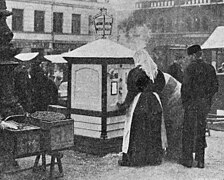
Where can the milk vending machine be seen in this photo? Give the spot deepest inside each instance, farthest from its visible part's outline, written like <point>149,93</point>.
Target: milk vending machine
<point>97,81</point>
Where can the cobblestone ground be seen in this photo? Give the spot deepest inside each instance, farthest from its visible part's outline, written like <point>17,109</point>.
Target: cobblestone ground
<point>81,166</point>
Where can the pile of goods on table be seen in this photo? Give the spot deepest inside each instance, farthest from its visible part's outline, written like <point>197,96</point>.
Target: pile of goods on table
<point>57,131</point>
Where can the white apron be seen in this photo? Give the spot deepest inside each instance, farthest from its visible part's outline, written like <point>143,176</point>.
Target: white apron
<point>127,125</point>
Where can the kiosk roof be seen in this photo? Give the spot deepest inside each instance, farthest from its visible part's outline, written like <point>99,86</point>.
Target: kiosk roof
<point>215,40</point>
<point>101,48</point>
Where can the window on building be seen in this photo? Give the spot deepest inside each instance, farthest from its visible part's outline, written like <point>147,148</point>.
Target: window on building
<point>169,25</point>
<point>205,23</point>
<point>196,24</point>
<point>57,22</point>
<point>215,1</point>
<point>91,27</point>
<point>189,24</point>
<point>219,11</point>
<point>17,20</point>
<point>76,23</point>
<point>161,25</point>
<point>154,26</point>
<point>39,21</point>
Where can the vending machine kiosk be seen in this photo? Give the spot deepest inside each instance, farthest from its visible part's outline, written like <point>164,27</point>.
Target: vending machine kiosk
<point>97,81</point>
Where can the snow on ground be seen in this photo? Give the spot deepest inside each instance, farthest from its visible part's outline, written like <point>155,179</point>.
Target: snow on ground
<point>81,166</point>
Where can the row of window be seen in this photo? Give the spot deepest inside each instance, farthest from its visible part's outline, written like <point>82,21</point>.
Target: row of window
<point>191,24</point>
<point>162,3</point>
<point>39,25</point>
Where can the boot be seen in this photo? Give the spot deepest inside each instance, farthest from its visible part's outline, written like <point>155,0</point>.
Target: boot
<point>124,161</point>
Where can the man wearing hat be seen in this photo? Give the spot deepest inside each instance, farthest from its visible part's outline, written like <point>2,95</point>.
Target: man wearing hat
<point>199,86</point>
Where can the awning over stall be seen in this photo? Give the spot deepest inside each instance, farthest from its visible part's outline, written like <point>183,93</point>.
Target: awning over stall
<point>101,48</point>
<point>55,58</point>
<point>26,56</point>
<point>215,40</point>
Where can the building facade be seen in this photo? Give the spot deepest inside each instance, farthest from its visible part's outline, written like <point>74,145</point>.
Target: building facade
<point>179,23</point>
<point>53,26</point>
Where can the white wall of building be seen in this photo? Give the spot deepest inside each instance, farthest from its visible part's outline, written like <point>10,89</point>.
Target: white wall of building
<point>68,7</point>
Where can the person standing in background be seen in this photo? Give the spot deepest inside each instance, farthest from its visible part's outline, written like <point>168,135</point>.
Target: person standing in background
<point>175,70</point>
<point>23,85</point>
<point>45,91</point>
<point>199,86</point>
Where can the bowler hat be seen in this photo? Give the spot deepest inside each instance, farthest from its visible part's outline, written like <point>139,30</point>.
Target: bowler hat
<point>193,49</point>
<point>3,11</point>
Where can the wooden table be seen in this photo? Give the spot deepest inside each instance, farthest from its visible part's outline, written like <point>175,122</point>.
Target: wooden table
<point>41,137</point>
<point>26,142</point>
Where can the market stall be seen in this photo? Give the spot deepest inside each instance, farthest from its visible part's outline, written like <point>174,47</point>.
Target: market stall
<point>60,68</point>
<point>21,134</point>
<point>214,46</point>
<point>57,58</point>
<point>26,56</point>
<point>97,81</point>
<point>40,134</point>
<point>60,77</point>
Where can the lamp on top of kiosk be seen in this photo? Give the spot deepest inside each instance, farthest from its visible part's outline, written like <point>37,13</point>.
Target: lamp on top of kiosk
<point>103,23</point>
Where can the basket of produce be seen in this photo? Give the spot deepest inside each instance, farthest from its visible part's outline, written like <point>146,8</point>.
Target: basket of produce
<point>45,119</point>
<point>57,130</point>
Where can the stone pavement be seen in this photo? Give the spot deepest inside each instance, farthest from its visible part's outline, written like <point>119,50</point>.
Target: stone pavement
<point>81,166</point>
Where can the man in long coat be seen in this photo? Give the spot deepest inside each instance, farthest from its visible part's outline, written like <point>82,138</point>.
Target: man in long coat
<point>198,87</point>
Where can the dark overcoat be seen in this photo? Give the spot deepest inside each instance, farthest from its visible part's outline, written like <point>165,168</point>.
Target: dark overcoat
<point>199,85</point>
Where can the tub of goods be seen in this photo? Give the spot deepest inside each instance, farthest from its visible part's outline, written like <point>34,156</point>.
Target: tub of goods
<point>57,132</point>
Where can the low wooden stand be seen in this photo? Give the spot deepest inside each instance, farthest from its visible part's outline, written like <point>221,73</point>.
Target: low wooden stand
<point>54,156</point>
<point>40,137</point>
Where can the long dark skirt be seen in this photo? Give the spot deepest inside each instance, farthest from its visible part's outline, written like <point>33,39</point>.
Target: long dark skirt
<point>145,146</point>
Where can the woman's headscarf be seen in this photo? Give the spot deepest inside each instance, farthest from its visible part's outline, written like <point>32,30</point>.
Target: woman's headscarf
<point>146,63</point>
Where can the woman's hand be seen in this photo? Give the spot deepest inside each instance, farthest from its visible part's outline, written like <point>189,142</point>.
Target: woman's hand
<point>119,105</point>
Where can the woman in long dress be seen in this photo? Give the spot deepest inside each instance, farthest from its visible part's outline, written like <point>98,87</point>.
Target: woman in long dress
<point>142,143</point>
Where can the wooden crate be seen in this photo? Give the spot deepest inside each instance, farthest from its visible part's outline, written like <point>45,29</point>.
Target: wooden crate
<point>23,143</point>
<point>56,134</point>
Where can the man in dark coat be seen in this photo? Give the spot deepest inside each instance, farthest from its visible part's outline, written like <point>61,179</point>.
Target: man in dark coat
<point>45,91</point>
<point>199,86</point>
<point>23,86</point>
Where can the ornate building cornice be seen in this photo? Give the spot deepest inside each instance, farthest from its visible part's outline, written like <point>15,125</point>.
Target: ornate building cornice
<point>155,4</point>
<point>77,4</point>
